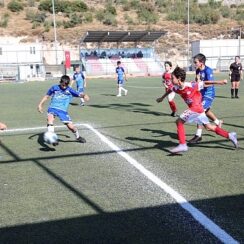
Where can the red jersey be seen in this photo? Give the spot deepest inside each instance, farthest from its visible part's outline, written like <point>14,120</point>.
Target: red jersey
<point>191,95</point>
<point>167,80</point>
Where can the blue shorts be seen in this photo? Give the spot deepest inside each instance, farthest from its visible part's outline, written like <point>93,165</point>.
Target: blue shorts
<point>63,115</point>
<point>207,102</point>
<point>120,82</point>
<point>80,89</point>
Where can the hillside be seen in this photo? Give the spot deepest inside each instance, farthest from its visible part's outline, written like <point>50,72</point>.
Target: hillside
<point>33,20</point>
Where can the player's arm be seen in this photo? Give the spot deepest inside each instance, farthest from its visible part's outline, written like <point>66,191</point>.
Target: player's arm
<point>44,99</point>
<point>216,82</point>
<point>160,99</point>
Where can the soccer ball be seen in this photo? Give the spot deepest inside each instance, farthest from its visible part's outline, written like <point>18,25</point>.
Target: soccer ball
<point>50,137</point>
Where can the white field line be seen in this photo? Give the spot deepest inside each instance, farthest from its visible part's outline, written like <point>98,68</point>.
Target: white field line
<point>196,214</point>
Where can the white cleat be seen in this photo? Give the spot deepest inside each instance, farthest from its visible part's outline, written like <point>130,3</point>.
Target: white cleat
<point>119,95</point>
<point>179,148</point>
<point>233,138</point>
<point>126,92</point>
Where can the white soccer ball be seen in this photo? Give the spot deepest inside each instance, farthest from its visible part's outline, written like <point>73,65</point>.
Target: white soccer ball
<point>50,137</point>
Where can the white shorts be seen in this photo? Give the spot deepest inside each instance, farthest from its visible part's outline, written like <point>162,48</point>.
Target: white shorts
<point>171,96</point>
<point>194,117</point>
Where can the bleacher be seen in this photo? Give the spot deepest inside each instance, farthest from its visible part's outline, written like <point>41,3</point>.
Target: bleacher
<point>136,62</point>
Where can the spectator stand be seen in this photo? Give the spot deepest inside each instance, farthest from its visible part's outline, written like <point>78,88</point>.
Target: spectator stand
<point>137,61</point>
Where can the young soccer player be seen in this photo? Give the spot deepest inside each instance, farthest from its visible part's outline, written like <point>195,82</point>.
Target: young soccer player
<point>205,73</point>
<point>235,76</point>
<point>167,83</point>
<point>190,92</point>
<point>58,107</point>
<point>80,80</point>
<point>121,78</point>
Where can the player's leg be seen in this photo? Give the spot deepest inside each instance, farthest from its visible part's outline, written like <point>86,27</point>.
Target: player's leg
<point>51,113</point>
<point>80,89</point>
<point>186,116</point>
<point>221,132</point>
<point>172,104</point>
<point>75,131</point>
<point>237,87</point>
<point>119,89</point>
<point>212,116</point>
<point>232,87</point>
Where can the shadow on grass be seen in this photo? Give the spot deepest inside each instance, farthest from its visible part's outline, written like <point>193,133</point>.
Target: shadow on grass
<point>159,224</point>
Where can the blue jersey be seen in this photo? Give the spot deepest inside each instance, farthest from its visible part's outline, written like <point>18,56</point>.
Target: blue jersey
<point>79,78</point>
<point>120,72</point>
<point>205,75</point>
<point>61,97</point>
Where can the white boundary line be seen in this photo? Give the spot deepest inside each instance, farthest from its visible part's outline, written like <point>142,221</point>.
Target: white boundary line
<point>195,213</point>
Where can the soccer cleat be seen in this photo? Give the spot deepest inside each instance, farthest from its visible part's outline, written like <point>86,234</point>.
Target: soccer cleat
<point>81,139</point>
<point>232,97</point>
<point>179,148</point>
<point>119,95</point>
<point>195,139</point>
<point>82,104</point>
<point>126,92</point>
<point>236,97</point>
<point>233,138</point>
<point>173,114</point>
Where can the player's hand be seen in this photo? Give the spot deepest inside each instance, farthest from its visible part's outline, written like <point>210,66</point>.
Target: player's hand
<point>160,99</point>
<point>40,110</point>
<point>224,82</point>
<point>86,97</point>
<point>3,126</point>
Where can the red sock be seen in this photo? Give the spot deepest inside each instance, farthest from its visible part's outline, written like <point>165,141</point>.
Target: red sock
<point>181,132</point>
<point>172,106</point>
<point>221,132</point>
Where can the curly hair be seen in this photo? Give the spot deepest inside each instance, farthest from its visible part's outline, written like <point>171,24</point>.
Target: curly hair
<point>179,73</point>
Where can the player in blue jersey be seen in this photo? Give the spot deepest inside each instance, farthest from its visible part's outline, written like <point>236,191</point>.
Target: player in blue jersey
<point>60,98</point>
<point>205,73</point>
<point>121,78</point>
<point>80,80</point>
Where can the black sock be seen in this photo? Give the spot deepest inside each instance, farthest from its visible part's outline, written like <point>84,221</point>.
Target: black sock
<point>232,92</point>
<point>236,92</point>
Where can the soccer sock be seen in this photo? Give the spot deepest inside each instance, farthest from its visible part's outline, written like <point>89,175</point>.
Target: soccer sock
<point>77,134</point>
<point>216,121</point>
<point>50,128</point>
<point>172,106</point>
<point>236,92</point>
<point>232,92</point>
<point>82,100</point>
<point>199,132</point>
<point>119,91</point>
<point>181,133</point>
<point>221,132</point>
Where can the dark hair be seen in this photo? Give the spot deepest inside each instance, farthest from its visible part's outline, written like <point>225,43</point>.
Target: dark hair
<point>179,73</point>
<point>169,63</point>
<point>65,80</point>
<point>201,57</point>
<point>237,57</point>
<point>118,62</point>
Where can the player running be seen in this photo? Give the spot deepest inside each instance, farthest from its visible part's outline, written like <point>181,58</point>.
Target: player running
<point>205,73</point>
<point>58,107</point>
<point>190,92</point>
<point>167,83</point>
<point>121,78</point>
<point>80,80</point>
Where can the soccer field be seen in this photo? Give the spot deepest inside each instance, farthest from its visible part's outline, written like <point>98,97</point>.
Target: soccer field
<point>122,186</point>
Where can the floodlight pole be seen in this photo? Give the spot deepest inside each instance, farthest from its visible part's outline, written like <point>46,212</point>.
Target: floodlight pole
<point>55,32</point>
<point>188,34</point>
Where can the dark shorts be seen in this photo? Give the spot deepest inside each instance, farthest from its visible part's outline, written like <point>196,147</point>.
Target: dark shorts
<point>62,115</point>
<point>235,77</point>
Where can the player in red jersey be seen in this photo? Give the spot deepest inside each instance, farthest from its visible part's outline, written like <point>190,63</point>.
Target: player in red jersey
<point>167,83</point>
<point>190,92</point>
